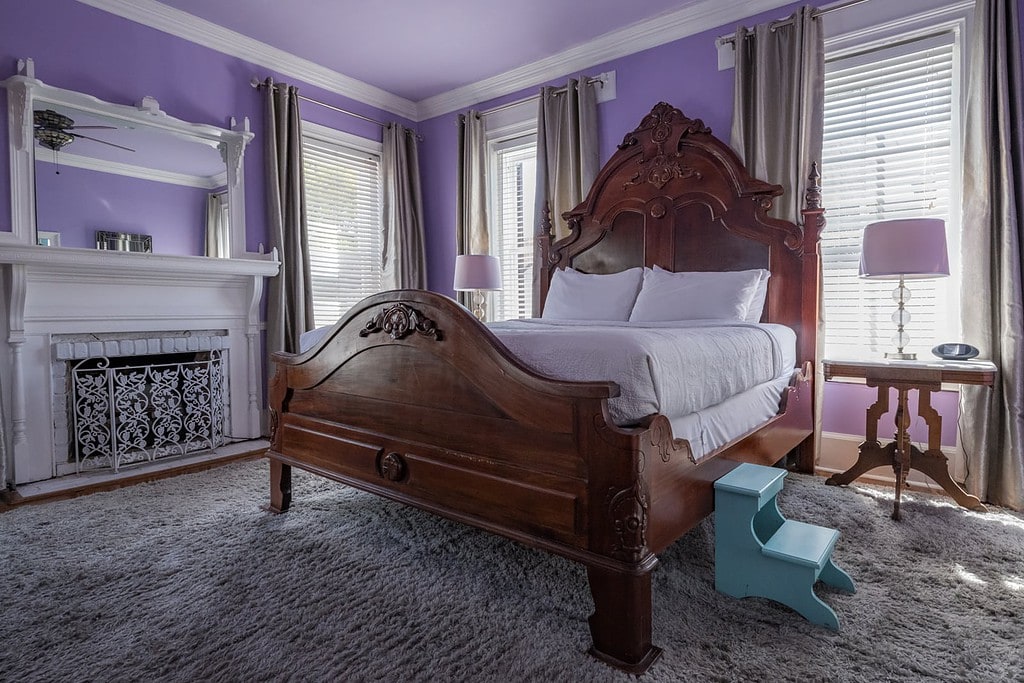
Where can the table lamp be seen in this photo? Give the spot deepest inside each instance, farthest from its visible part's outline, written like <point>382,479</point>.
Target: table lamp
<point>904,249</point>
<point>476,273</point>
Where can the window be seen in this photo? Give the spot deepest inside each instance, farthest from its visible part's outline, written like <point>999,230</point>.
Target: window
<point>891,150</point>
<point>513,172</point>
<point>343,215</point>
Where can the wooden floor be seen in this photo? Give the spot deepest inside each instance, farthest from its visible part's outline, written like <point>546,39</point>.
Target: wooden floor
<point>12,499</point>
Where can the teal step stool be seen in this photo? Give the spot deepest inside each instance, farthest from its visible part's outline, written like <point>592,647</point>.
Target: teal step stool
<point>758,552</point>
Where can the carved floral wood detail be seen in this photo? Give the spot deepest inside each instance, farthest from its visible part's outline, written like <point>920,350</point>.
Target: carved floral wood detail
<point>275,423</point>
<point>660,123</point>
<point>659,170</point>
<point>628,511</point>
<point>392,467</point>
<point>661,167</point>
<point>659,438</point>
<point>399,321</point>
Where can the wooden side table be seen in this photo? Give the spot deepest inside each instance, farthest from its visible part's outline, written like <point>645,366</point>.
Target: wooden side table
<point>925,376</point>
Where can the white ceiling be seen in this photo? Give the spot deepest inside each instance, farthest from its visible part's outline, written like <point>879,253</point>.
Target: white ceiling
<point>420,48</point>
<point>420,58</point>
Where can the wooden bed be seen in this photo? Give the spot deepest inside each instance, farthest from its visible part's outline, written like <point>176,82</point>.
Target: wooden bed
<point>410,397</point>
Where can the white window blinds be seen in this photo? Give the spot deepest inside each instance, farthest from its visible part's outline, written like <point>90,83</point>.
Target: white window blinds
<point>514,164</point>
<point>891,150</point>
<point>343,214</point>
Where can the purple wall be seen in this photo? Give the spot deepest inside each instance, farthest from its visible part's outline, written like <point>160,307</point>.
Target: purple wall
<point>78,202</point>
<point>81,48</point>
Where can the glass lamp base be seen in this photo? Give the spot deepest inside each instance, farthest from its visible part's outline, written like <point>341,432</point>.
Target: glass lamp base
<point>479,305</point>
<point>901,356</point>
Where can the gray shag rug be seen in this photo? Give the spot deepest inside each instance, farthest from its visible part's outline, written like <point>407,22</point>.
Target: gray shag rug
<point>187,579</point>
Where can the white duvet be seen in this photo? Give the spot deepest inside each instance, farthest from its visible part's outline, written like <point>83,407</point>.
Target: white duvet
<point>676,368</point>
<point>693,372</point>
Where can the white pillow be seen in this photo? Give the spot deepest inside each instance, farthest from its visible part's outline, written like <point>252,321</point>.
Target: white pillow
<point>581,296</point>
<point>667,296</point>
<point>760,295</point>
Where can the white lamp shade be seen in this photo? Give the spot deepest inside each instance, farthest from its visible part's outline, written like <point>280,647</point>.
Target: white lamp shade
<point>477,271</point>
<point>912,248</point>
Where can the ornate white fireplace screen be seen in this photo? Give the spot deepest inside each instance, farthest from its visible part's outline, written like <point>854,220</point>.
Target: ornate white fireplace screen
<point>135,409</point>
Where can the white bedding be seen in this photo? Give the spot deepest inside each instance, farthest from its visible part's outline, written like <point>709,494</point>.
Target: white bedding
<point>673,368</point>
<point>714,380</point>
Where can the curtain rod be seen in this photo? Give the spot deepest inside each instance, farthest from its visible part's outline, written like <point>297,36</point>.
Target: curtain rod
<point>786,22</point>
<point>256,83</point>
<point>559,91</point>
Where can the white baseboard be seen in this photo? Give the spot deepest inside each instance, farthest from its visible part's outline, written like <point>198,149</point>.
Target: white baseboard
<point>839,453</point>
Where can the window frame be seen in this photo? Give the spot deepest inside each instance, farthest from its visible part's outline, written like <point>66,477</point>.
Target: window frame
<point>346,143</point>
<point>856,33</point>
<point>505,124</point>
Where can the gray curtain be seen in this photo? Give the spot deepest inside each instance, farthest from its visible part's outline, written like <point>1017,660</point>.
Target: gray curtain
<point>777,124</point>
<point>290,298</point>
<point>403,260</point>
<point>779,102</point>
<point>471,227</point>
<point>568,158</point>
<point>992,420</point>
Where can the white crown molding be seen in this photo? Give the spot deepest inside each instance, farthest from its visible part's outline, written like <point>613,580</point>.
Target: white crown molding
<point>190,27</point>
<point>132,171</point>
<point>665,28</point>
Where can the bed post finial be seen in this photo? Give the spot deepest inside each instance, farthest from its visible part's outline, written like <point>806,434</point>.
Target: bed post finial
<point>813,214</point>
<point>545,221</point>
<point>542,260</point>
<point>812,197</point>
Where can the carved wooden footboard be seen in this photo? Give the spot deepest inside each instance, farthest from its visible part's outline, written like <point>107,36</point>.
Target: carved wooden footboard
<point>411,398</point>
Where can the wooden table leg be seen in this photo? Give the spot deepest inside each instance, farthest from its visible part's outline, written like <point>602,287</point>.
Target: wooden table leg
<point>871,453</point>
<point>901,455</point>
<point>932,462</point>
<point>936,466</point>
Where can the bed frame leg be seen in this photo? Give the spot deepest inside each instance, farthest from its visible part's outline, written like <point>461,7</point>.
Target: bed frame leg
<point>621,623</point>
<point>280,486</point>
<point>802,458</point>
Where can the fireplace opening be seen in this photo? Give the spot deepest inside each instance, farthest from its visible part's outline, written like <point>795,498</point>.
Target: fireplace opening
<point>130,410</point>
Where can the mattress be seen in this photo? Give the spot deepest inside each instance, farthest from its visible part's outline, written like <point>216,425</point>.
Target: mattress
<point>713,380</point>
<point>669,368</point>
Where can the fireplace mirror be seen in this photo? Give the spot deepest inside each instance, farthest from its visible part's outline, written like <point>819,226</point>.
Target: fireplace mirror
<point>81,165</point>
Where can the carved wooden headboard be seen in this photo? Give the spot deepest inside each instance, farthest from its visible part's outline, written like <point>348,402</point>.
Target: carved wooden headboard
<point>675,196</point>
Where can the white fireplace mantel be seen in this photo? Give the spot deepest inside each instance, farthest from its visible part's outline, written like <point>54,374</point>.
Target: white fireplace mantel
<point>129,264</point>
<point>48,292</point>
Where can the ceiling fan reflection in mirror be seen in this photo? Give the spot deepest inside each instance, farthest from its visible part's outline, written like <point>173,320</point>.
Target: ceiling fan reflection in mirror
<point>53,130</point>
